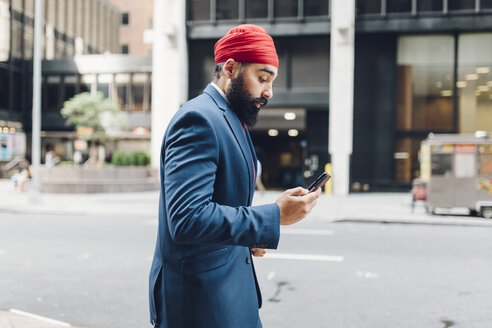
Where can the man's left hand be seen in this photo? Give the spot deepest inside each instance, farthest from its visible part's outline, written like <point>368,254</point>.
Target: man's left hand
<point>258,252</point>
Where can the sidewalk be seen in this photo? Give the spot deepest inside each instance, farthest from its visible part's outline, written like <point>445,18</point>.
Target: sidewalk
<point>363,207</point>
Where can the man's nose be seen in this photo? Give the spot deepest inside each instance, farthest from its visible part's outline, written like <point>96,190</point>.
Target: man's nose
<point>268,93</point>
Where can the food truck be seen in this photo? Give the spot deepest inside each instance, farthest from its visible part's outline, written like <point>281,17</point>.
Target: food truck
<point>457,172</point>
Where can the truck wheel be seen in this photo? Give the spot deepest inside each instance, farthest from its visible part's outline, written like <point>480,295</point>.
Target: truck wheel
<point>487,212</point>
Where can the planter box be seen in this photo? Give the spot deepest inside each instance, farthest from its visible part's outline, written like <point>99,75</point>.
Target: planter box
<point>98,180</point>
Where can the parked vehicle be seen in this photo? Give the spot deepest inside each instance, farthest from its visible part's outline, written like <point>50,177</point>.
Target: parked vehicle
<point>457,171</point>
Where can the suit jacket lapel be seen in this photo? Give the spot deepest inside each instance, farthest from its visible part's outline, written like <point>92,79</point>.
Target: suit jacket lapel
<point>237,130</point>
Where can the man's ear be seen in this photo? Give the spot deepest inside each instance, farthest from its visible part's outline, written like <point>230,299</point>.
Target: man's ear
<point>229,66</point>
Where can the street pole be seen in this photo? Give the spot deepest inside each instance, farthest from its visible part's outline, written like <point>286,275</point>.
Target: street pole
<point>35,192</point>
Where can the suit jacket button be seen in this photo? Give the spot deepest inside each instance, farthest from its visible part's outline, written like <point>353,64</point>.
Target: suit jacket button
<point>248,260</point>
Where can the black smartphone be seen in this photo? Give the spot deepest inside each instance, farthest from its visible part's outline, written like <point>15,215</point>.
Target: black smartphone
<point>319,182</point>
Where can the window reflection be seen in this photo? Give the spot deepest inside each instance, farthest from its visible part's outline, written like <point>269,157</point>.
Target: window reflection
<point>4,88</point>
<point>424,96</point>
<point>399,6</point>
<point>138,85</point>
<point>227,9</point>
<point>121,88</point>
<point>368,6</point>
<point>256,9</point>
<point>461,4</point>
<point>475,82</point>
<point>198,10</point>
<point>429,5</point>
<point>286,8</point>
<point>315,8</point>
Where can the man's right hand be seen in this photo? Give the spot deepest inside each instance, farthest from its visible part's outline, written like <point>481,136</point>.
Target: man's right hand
<point>295,204</point>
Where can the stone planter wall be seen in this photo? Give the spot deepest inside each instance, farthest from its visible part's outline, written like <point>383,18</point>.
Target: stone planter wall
<point>98,180</point>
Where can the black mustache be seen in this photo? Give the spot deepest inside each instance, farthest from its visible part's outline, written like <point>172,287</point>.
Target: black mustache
<point>262,101</point>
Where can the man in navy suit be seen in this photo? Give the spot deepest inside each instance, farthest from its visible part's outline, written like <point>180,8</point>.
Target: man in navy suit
<point>202,275</point>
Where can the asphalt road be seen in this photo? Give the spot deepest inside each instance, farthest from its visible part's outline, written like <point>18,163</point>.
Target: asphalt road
<point>92,270</point>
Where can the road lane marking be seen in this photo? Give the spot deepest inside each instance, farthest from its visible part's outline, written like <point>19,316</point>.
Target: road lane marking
<point>304,257</point>
<point>310,232</point>
<point>40,318</point>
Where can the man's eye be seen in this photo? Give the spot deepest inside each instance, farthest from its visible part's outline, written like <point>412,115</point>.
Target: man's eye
<point>262,80</point>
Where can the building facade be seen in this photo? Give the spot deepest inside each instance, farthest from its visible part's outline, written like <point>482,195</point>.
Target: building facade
<point>421,66</point>
<point>137,23</point>
<point>70,27</point>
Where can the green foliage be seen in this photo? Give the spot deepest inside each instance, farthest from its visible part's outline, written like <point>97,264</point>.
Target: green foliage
<point>136,158</point>
<point>93,110</point>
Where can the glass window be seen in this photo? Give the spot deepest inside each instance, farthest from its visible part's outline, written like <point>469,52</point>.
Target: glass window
<point>399,6</point>
<point>286,8</point>
<point>227,9</point>
<point>28,42</point>
<point>441,164</point>
<point>4,88</point>
<point>486,4</point>
<point>125,18</point>
<point>18,92</point>
<point>315,8</point>
<point>138,85</point>
<point>86,82</point>
<point>368,6</point>
<point>424,95</point>
<point>198,10</point>
<point>69,84</point>
<point>53,93</point>
<point>461,4</point>
<point>425,83</point>
<point>256,9</point>
<point>17,39</point>
<point>429,5</point>
<point>104,83</point>
<point>310,63</point>
<point>121,82</point>
<point>475,82</point>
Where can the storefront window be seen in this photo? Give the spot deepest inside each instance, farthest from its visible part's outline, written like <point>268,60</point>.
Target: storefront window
<point>104,84</point>
<point>315,8</point>
<point>4,88</point>
<point>475,82</point>
<point>461,4</point>
<point>368,6</point>
<point>399,6</point>
<point>69,84</point>
<point>227,9</point>
<point>429,5</point>
<point>424,96</point>
<point>486,4</point>
<point>52,93</point>
<point>138,86</point>
<point>286,8</point>
<point>198,10</point>
<point>256,9</point>
<point>121,82</point>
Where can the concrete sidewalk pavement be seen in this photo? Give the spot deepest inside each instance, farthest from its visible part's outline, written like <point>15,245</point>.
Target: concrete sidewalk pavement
<point>362,207</point>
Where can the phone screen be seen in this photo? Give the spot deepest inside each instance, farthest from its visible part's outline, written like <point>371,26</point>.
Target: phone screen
<point>319,182</point>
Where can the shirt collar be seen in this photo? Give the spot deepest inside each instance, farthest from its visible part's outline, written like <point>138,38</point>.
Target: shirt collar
<point>220,91</point>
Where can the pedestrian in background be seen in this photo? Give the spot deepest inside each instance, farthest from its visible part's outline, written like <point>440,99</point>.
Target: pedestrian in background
<point>202,275</point>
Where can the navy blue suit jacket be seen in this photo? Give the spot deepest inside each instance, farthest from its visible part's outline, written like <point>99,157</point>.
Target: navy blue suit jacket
<point>202,273</point>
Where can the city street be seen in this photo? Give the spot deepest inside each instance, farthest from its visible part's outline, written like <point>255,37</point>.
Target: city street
<point>90,269</point>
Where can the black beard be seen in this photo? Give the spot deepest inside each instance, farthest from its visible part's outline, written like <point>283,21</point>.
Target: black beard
<point>243,103</point>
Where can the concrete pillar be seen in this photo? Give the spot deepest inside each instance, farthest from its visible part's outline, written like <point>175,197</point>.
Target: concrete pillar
<point>169,68</point>
<point>341,92</point>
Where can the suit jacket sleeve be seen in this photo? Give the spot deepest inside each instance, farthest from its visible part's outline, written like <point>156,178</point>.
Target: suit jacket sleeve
<point>190,156</point>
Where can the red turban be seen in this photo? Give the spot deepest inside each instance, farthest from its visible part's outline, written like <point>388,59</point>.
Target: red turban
<point>246,43</point>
